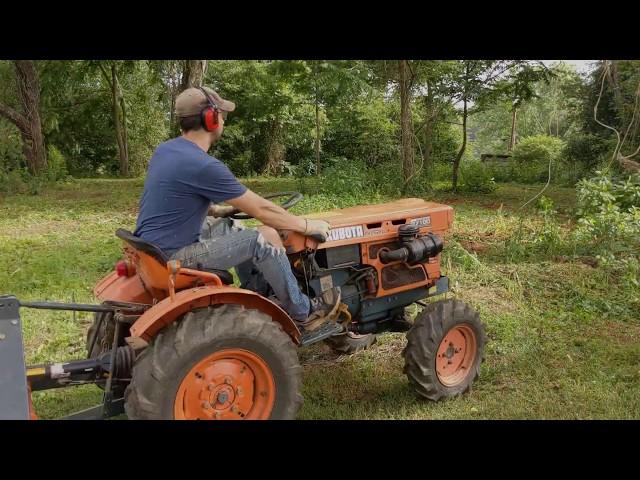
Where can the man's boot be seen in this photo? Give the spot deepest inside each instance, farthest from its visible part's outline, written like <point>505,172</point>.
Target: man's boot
<point>323,309</point>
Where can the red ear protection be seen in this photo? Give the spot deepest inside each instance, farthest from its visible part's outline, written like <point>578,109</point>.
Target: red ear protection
<point>209,115</point>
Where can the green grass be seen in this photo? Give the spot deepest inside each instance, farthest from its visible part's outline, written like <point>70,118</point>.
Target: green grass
<point>564,336</point>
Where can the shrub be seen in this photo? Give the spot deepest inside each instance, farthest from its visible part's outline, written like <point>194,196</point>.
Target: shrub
<point>585,149</point>
<point>531,157</point>
<point>56,165</point>
<point>347,177</point>
<point>476,177</point>
<point>14,181</point>
<point>609,211</point>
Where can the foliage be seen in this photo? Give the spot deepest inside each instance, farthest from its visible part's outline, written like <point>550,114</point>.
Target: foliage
<point>476,177</point>
<point>542,315</point>
<point>532,157</point>
<point>609,212</point>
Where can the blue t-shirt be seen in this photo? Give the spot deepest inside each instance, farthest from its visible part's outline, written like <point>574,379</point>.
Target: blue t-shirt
<point>182,181</point>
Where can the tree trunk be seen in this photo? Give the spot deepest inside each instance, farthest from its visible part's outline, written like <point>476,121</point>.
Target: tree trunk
<point>119,120</point>
<point>193,73</point>
<point>275,149</point>
<point>614,80</point>
<point>317,134</point>
<point>428,144</point>
<point>512,141</point>
<point>456,163</point>
<point>406,131</point>
<point>428,128</point>
<point>28,119</point>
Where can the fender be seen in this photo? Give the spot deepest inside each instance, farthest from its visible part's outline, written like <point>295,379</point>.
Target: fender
<point>166,311</point>
<point>123,289</point>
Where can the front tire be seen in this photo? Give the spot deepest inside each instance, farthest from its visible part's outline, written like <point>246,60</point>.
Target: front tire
<point>223,362</point>
<point>444,350</point>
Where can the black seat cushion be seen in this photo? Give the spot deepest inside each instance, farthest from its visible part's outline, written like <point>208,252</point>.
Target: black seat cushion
<point>142,245</point>
<point>155,252</point>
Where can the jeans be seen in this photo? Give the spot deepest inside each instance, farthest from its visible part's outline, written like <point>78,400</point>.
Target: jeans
<point>225,243</point>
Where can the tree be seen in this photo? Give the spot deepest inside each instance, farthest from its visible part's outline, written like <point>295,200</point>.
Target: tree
<point>555,109</point>
<point>436,103</point>
<point>482,82</point>
<point>327,85</point>
<point>622,79</point>
<point>405,84</point>
<point>26,117</point>
<point>170,74</point>
<point>472,80</point>
<point>403,74</point>
<point>272,121</point>
<point>193,73</point>
<point>119,112</point>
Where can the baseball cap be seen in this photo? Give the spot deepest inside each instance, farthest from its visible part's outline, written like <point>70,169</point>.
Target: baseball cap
<point>192,101</point>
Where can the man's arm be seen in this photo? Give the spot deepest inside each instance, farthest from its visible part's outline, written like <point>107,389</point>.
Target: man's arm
<point>267,212</point>
<point>277,217</point>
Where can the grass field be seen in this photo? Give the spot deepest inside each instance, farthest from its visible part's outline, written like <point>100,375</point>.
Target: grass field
<point>564,333</point>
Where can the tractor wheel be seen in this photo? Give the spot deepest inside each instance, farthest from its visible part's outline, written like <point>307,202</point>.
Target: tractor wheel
<point>350,342</point>
<point>444,350</point>
<point>223,362</point>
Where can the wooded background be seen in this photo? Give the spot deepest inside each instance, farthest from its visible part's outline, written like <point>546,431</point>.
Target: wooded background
<point>403,122</point>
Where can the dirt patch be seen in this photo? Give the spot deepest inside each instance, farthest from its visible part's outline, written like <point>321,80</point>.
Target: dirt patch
<point>622,333</point>
<point>493,205</point>
<point>590,261</point>
<point>496,298</point>
<point>475,247</point>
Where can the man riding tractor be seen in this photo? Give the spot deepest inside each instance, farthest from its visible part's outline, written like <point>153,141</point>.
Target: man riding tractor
<point>173,339</point>
<point>177,215</point>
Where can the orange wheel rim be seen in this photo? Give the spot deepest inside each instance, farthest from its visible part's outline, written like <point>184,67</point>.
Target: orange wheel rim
<point>230,384</point>
<point>456,355</point>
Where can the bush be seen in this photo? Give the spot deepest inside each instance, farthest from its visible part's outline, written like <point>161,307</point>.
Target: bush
<point>476,177</point>
<point>365,130</point>
<point>609,212</point>
<point>531,157</point>
<point>12,182</point>
<point>56,165</point>
<point>347,177</point>
<point>439,172</point>
<point>585,149</point>
<point>549,236</point>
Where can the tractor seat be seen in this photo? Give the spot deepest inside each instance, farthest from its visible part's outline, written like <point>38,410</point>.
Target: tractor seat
<point>162,258</point>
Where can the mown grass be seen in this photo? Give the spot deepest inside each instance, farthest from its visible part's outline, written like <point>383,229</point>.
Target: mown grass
<point>564,336</point>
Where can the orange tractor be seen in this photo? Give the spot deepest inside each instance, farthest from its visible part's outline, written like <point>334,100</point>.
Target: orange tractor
<point>175,343</point>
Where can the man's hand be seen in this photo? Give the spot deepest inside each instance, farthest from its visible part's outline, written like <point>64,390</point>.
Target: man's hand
<point>220,211</point>
<point>317,229</point>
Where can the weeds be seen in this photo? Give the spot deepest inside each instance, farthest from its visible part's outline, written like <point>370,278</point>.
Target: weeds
<point>563,326</point>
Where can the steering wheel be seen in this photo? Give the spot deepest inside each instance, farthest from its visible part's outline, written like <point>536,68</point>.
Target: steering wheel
<point>294,198</point>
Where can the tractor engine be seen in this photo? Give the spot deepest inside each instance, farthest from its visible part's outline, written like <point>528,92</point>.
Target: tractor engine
<point>383,257</point>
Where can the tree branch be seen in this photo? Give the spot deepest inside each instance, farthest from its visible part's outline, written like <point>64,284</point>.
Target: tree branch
<point>105,75</point>
<point>13,116</point>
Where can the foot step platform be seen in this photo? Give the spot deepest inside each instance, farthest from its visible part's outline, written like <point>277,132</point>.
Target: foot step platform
<point>325,331</point>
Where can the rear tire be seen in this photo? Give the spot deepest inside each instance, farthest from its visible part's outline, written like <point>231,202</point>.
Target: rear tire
<point>349,342</point>
<point>444,350</point>
<point>192,369</point>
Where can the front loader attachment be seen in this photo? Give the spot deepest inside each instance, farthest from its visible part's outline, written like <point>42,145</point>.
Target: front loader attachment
<point>14,393</point>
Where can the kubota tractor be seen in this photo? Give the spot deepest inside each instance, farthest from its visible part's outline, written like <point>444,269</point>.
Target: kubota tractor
<point>175,343</point>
